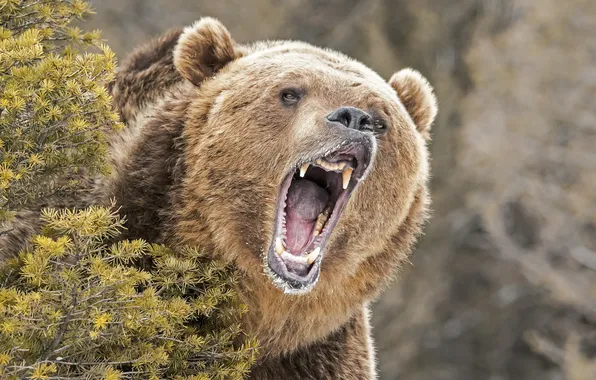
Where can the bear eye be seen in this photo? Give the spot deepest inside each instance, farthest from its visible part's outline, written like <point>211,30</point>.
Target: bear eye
<point>289,97</point>
<point>379,126</point>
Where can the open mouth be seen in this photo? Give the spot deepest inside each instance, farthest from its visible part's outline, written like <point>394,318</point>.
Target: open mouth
<point>311,201</point>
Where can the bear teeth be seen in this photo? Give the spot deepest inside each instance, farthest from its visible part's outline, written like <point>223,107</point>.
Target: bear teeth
<point>346,171</point>
<point>321,219</point>
<point>280,250</point>
<point>303,169</point>
<point>330,166</point>
<point>306,260</point>
<point>346,175</point>
<point>296,259</point>
<point>311,257</point>
<point>279,246</point>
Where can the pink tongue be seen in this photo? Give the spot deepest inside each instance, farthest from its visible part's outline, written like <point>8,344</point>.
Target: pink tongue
<point>306,200</point>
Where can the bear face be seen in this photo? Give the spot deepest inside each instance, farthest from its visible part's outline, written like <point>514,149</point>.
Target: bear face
<point>300,161</point>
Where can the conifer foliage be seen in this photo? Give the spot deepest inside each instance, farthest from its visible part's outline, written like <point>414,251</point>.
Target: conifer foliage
<point>54,110</point>
<point>78,303</point>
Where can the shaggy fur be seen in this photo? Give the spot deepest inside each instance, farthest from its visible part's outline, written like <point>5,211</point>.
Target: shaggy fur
<point>207,146</point>
<point>345,354</point>
<point>203,50</point>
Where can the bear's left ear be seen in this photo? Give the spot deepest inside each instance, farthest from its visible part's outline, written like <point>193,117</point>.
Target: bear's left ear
<point>203,49</point>
<point>418,98</point>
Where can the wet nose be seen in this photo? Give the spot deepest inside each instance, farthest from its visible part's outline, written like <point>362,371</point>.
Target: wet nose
<point>351,117</point>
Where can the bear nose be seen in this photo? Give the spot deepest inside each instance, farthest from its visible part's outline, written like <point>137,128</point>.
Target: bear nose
<point>351,117</point>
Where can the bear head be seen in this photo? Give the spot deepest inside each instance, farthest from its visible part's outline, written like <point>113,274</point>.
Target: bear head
<point>300,161</point>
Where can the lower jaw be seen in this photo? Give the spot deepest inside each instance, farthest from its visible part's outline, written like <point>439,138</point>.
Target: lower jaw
<point>289,282</point>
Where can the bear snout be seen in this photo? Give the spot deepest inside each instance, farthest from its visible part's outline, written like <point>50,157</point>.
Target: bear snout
<point>350,117</point>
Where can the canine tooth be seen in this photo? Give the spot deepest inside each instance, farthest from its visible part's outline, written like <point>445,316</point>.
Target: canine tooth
<point>279,248</point>
<point>341,165</point>
<point>313,255</point>
<point>346,175</point>
<point>303,169</point>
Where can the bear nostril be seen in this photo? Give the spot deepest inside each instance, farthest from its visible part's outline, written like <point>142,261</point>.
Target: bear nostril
<point>351,117</point>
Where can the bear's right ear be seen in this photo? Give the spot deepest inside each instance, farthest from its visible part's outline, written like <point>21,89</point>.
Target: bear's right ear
<point>203,49</point>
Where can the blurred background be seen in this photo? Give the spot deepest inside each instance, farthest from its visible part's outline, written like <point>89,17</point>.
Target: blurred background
<point>503,284</point>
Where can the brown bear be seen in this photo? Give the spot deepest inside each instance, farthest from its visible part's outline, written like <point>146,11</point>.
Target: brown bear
<point>300,166</point>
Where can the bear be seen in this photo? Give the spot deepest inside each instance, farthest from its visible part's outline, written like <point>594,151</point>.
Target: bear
<point>298,165</point>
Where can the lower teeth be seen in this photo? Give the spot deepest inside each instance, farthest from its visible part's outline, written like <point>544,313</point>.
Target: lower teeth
<point>320,223</point>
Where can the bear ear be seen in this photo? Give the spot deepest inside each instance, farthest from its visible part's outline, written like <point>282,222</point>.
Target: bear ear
<point>417,96</point>
<point>203,49</point>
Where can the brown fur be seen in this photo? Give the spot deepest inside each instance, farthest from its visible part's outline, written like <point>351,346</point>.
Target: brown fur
<point>152,63</point>
<point>344,354</point>
<point>15,234</point>
<point>416,95</point>
<point>207,146</point>
<point>203,50</point>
